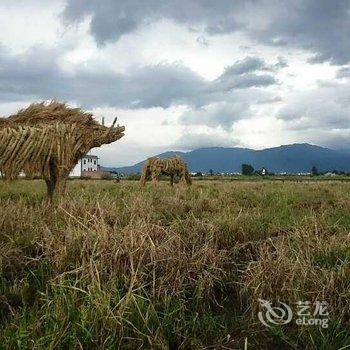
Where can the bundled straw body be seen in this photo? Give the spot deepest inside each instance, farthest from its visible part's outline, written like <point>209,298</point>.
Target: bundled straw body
<point>48,139</point>
<point>172,166</point>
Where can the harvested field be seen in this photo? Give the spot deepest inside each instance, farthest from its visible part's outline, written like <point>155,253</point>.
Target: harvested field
<point>172,267</point>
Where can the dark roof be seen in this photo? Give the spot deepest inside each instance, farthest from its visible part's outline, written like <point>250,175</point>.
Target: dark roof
<point>90,156</point>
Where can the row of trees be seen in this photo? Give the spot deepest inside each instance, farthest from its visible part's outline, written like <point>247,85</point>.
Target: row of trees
<point>248,169</point>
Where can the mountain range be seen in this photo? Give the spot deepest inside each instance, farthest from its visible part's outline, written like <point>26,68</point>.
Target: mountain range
<point>294,158</point>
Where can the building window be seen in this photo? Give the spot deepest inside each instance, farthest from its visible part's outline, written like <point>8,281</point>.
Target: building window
<point>95,162</point>
<point>84,161</point>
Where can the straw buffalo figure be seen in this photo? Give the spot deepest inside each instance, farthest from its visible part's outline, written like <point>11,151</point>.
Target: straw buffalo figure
<point>172,166</point>
<point>48,139</point>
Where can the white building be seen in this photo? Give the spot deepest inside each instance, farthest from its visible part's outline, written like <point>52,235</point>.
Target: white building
<point>87,164</point>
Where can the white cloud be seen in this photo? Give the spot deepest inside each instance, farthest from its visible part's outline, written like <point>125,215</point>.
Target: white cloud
<point>184,74</point>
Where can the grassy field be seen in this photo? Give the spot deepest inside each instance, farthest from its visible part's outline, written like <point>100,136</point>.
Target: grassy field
<point>116,266</point>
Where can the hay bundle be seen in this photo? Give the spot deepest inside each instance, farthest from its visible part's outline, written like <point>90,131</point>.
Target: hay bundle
<point>48,139</point>
<point>172,166</point>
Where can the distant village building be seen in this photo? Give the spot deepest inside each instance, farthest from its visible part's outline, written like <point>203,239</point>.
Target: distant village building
<point>263,171</point>
<point>330,174</point>
<point>88,166</point>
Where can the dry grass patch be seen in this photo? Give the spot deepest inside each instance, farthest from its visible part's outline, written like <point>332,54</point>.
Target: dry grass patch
<point>161,267</point>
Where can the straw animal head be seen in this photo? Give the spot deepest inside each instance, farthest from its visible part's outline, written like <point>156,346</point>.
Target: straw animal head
<point>104,135</point>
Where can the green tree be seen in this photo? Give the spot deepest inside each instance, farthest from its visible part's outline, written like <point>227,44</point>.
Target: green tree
<point>247,169</point>
<point>314,171</point>
<point>211,172</point>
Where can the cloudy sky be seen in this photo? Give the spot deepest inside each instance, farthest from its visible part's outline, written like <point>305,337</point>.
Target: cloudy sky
<point>184,74</point>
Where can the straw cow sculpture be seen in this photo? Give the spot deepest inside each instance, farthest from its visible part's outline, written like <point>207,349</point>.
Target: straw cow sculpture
<point>154,167</point>
<point>48,139</point>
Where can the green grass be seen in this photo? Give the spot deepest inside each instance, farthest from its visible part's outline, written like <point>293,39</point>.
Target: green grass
<point>119,266</point>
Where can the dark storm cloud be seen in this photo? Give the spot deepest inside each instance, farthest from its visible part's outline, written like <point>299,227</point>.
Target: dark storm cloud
<point>320,26</point>
<point>227,83</point>
<point>325,108</point>
<point>249,72</point>
<point>254,64</point>
<point>36,74</point>
<point>111,19</point>
<point>247,65</point>
<point>27,75</point>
